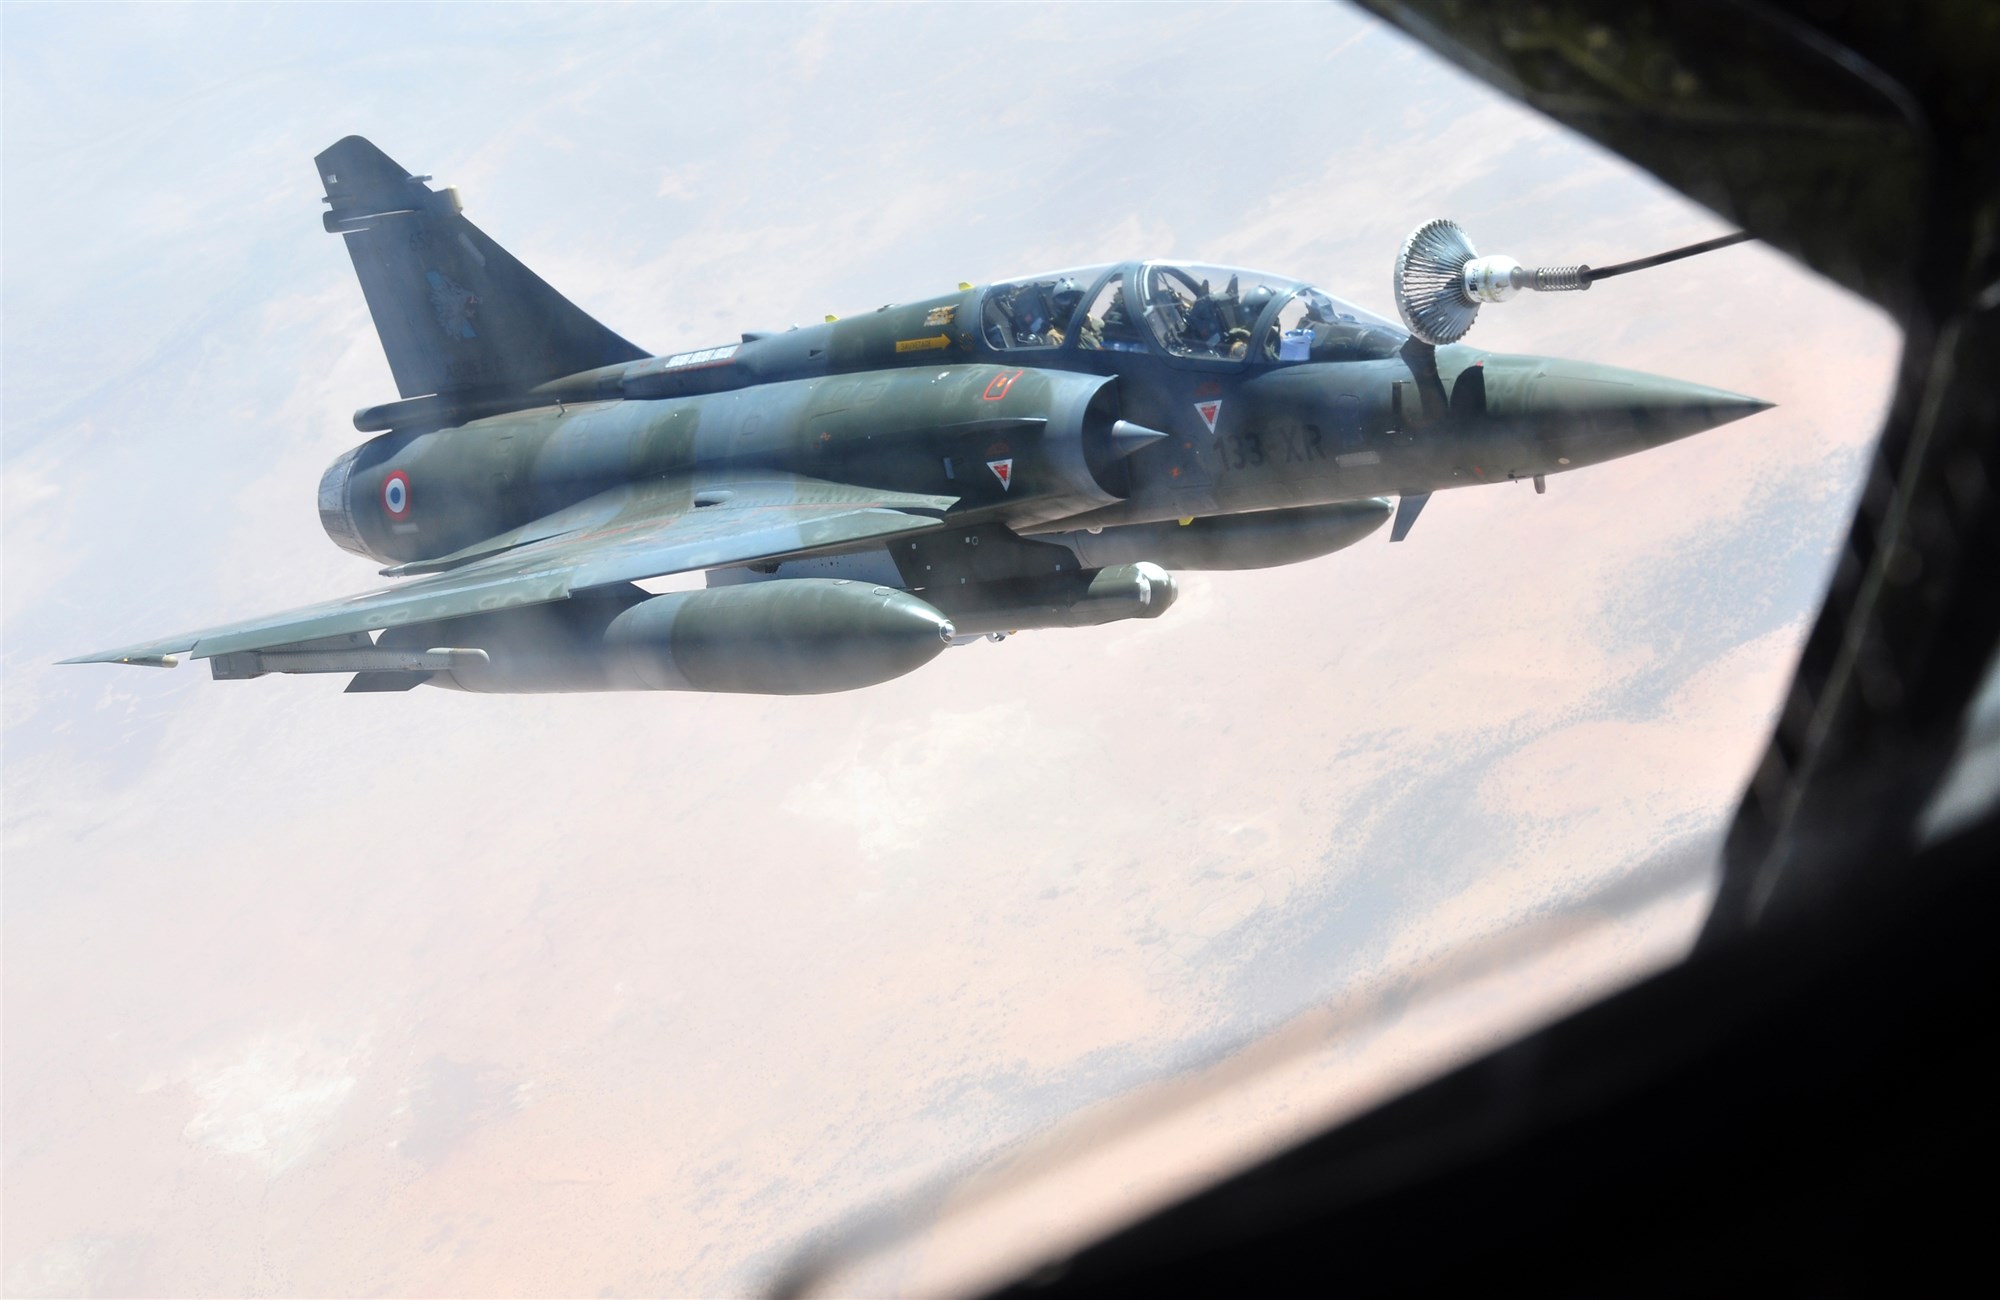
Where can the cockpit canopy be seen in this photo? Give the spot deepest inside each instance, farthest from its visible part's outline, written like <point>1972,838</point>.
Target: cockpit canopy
<point>1203,316</point>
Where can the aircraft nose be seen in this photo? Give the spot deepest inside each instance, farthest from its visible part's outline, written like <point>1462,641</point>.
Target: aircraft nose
<point>1591,403</point>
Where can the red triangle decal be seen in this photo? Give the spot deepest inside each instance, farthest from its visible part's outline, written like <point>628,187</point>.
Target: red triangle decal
<point>1208,411</point>
<point>1004,471</point>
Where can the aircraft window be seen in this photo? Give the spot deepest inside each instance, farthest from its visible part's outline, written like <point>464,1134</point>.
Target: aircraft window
<point>1208,312</point>
<point>1034,313</point>
<point>1107,326</point>
<point>1290,336</point>
<point>1311,326</point>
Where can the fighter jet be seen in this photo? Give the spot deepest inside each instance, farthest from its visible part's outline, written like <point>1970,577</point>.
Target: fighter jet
<point>862,493</point>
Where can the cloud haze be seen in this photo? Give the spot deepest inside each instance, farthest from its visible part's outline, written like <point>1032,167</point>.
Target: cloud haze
<point>316,994</point>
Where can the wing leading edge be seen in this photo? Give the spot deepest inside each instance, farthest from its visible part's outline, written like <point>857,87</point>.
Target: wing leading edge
<point>674,524</point>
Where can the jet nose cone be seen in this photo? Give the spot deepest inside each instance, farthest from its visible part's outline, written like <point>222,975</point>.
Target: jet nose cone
<point>1670,408</point>
<point>1587,401</point>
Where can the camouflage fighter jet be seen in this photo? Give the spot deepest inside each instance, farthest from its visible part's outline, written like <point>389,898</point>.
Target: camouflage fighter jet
<point>862,493</point>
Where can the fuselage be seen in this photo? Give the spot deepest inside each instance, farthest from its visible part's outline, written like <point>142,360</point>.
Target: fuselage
<point>1305,402</point>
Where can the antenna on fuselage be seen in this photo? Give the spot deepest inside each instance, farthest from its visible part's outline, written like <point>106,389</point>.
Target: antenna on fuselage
<point>1441,280</point>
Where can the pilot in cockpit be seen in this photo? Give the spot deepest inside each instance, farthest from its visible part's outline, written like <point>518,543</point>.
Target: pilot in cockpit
<point>1037,313</point>
<point>1218,323</point>
<point>1255,302</point>
<point>1206,325</point>
<point>1064,295</point>
<point>1029,314</point>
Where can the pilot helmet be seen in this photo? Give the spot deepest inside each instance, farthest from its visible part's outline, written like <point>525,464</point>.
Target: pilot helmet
<point>1255,301</point>
<point>1064,295</point>
<point>1030,310</point>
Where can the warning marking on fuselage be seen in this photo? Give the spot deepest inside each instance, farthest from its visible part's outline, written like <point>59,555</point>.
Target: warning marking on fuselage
<point>1004,471</point>
<point>1208,411</point>
<point>996,388</point>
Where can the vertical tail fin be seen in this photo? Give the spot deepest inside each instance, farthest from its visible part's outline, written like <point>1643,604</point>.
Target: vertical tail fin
<point>455,311</point>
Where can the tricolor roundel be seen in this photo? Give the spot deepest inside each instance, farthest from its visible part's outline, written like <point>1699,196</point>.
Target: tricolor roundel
<point>396,495</point>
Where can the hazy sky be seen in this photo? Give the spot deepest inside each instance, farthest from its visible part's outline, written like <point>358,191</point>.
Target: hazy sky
<point>316,994</point>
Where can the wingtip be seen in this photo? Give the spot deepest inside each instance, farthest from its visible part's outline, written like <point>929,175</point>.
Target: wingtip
<point>137,661</point>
